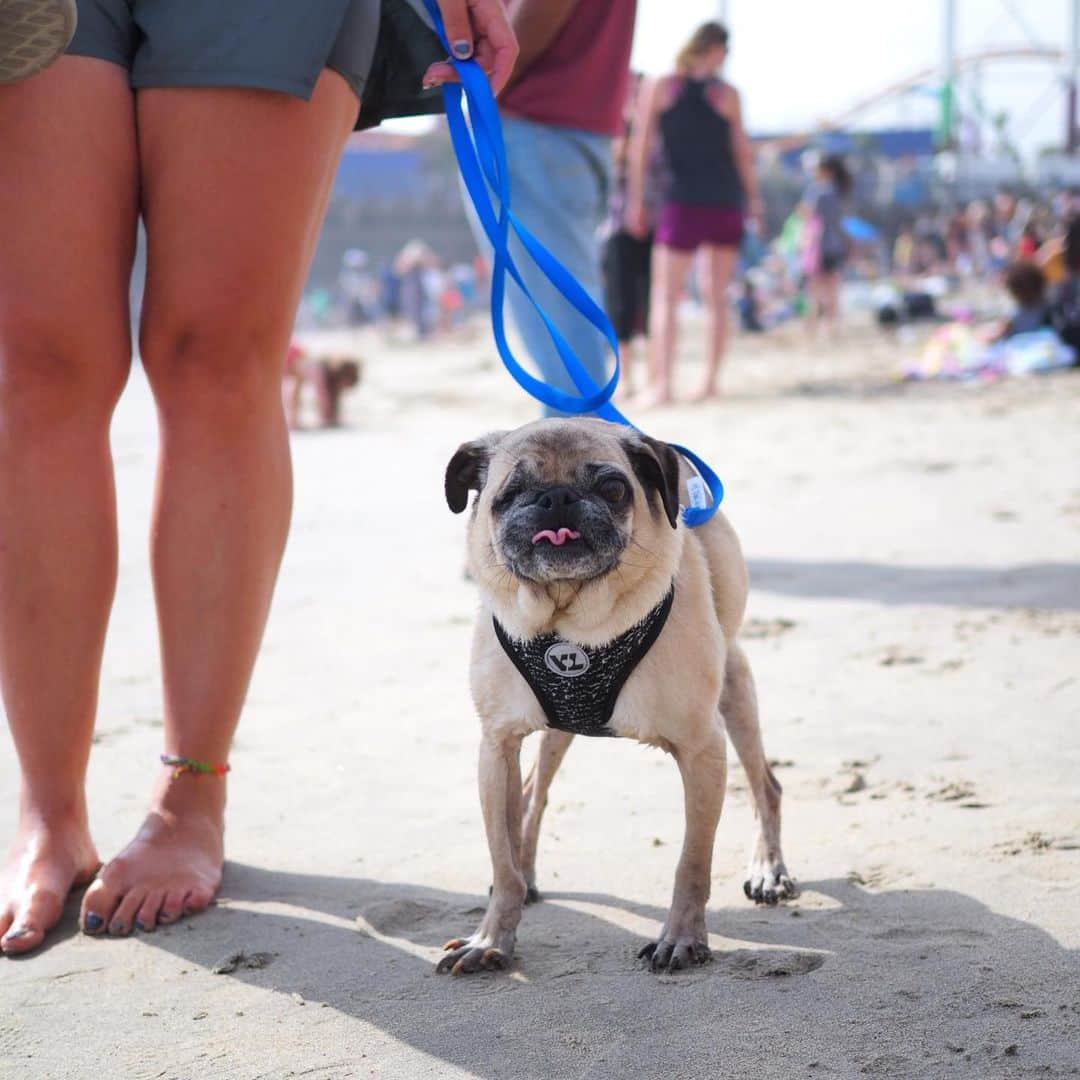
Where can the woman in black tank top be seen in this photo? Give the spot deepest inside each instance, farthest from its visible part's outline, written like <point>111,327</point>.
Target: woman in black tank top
<point>693,120</point>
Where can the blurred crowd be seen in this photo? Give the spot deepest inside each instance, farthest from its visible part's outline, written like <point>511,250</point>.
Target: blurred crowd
<point>416,295</point>
<point>980,238</point>
<point>651,197</point>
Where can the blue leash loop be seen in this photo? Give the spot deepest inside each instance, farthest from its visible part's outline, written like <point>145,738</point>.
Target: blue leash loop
<point>481,157</point>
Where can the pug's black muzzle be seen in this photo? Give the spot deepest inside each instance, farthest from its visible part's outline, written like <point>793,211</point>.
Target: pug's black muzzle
<point>559,532</point>
<point>558,508</point>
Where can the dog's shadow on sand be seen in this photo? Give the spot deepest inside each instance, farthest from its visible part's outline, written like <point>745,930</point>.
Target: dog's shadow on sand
<point>1049,586</point>
<point>832,972</point>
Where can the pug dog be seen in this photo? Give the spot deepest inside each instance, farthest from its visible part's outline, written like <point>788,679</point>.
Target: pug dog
<point>603,614</point>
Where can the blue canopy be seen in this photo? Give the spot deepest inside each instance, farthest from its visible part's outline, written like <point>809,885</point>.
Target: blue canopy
<point>860,230</point>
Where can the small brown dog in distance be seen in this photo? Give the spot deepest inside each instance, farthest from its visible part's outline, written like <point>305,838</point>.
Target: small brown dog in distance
<point>602,614</point>
<point>331,377</point>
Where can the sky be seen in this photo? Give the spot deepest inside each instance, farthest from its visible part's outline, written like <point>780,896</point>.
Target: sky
<point>797,63</point>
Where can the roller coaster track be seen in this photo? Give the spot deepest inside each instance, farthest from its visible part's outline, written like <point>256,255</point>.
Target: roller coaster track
<point>933,74</point>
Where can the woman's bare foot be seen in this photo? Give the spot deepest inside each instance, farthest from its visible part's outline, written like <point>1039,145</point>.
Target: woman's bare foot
<point>171,868</point>
<point>654,397</point>
<point>704,393</point>
<point>47,860</point>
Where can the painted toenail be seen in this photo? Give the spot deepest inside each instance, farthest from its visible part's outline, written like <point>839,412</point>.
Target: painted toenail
<point>93,923</point>
<point>140,925</point>
<point>117,927</point>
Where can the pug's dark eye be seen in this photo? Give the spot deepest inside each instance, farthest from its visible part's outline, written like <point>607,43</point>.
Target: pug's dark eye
<point>613,491</point>
<point>505,499</point>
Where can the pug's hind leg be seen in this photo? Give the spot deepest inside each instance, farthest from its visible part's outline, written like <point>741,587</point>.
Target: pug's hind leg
<point>767,878</point>
<point>492,946</point>
<point>553,747</point>
<point>684,939</point>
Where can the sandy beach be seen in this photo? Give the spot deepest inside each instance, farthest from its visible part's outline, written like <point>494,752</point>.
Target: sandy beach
<point>914,625</point>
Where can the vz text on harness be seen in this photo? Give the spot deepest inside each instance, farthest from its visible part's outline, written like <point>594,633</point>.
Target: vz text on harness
<point>577,685</point>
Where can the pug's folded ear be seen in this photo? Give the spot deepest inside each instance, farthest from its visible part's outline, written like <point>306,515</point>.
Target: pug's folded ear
<point>656,465</point>
<point>467,470</point>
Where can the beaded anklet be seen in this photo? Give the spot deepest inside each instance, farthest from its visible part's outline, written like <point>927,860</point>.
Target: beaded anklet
<point>181,765</point>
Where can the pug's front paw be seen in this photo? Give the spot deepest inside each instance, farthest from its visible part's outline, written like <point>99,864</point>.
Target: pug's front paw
<point>674,954</point>
<point>769,882</point>
<point>478,953</point>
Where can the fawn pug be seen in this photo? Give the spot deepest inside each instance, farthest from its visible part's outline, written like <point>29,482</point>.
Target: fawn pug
<point>602,614</point>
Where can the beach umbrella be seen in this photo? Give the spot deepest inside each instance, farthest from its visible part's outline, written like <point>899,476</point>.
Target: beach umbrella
<point>860,230</point>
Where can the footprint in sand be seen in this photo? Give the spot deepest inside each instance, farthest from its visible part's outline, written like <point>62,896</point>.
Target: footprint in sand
<point>1037,843</point>
<point>237,960</point>
<point>957,934</point>
<point>960,792</point>
<point>757,629</point>
<point>896,654</point>
<point>770,964</point>
<point>394,917</point>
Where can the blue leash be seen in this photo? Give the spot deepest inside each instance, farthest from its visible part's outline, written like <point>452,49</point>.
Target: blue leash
<point>481,157</point>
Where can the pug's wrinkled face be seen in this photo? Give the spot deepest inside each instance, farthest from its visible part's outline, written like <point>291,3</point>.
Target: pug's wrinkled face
<point>559,498</point>
<point>574,526</point>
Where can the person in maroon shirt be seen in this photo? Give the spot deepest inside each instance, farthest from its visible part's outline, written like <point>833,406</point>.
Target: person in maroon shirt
<point>561,111</point>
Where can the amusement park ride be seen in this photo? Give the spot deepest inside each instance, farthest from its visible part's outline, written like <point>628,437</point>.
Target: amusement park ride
<point>964,120</point>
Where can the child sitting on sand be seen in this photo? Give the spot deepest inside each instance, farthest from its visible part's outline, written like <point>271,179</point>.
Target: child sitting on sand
<point>330,376</point>
<point>1026,283</point>
<point>1027,342</point>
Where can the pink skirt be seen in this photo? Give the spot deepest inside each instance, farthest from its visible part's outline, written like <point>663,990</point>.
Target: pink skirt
<point>685,226</point>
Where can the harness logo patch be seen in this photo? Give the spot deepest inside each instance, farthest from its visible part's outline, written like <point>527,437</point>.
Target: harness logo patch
<point>566,659</point>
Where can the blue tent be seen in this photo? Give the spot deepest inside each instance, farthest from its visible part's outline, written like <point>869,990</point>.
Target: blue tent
<point>860,230</point>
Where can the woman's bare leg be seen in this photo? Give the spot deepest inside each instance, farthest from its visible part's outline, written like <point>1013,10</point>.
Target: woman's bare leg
<point>68,174</point>
<point>627,365</point>
<point>718,262</point>
<point>669,272</point>
<point>830,303</point>
<point>813,301</point>
<point>235,183</point>
<point>823,303</point>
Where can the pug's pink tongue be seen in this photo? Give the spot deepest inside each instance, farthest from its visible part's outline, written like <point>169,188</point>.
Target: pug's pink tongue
<point>557,538</point>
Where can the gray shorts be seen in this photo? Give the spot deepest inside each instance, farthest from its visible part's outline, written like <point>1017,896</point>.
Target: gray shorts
<point>266,44</point>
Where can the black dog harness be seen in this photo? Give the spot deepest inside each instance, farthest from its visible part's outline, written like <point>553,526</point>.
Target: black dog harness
<point>578,686</point>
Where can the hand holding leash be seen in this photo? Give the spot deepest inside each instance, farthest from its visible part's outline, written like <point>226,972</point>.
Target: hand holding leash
<point>478,30</point>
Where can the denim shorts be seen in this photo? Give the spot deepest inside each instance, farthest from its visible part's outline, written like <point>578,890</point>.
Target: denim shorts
<point>264,44</point>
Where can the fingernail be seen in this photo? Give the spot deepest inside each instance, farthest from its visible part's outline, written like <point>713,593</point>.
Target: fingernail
<point>462,49</point>
<point>14,935</point>
<point>93,923</point>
